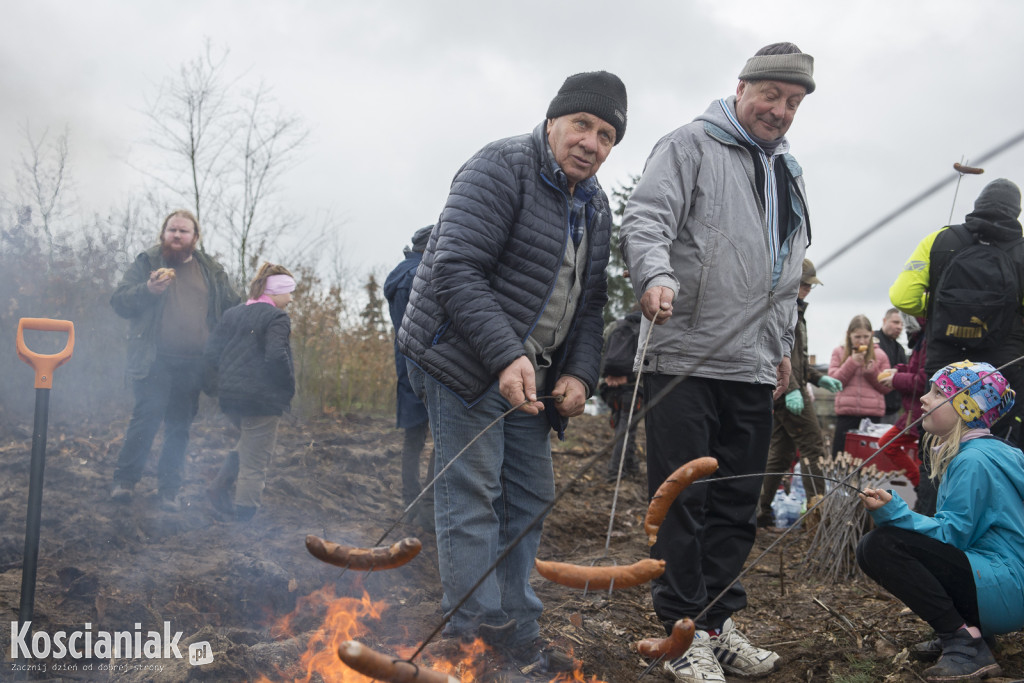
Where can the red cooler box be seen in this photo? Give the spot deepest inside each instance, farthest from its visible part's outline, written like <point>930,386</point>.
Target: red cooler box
<point>863,446</point>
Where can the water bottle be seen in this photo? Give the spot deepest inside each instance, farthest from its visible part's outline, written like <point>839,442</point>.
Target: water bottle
<point>796,489</point>
<point>786,509</point>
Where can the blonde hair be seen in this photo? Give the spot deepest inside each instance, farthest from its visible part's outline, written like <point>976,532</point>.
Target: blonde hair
<point>259,283</point>
<point>946,449</point>
<point>184,213</point>
<point>859,322</point>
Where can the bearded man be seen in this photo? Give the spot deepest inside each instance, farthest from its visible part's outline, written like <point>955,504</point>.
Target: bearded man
<point>172,296</point>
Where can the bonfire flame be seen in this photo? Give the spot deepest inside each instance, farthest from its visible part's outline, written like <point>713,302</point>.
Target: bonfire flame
<point>347,619</point>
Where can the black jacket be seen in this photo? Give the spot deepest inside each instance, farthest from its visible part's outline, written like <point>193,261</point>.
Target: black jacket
<point>250,355</point>
<point>133,300</point>
<point>896,354</point>
<point>490,267</point>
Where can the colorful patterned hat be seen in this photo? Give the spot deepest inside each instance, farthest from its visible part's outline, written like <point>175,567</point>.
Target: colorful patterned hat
<point>988,398</point>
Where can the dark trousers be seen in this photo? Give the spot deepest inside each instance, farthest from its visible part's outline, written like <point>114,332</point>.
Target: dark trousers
<point>930,577</point>
<point>412,448</point>
<point>710,529</point>
<point>169,395</point>
<point>844,424</point>
<point>789,433</point>
<point>618,401</point>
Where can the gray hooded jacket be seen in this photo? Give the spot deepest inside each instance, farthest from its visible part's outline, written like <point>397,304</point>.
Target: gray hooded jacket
<point>696,225</point>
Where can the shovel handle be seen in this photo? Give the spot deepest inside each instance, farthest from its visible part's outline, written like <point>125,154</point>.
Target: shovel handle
<point>45,363</point>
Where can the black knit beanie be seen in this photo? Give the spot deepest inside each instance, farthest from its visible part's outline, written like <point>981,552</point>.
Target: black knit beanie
<point>596,92</point>
<point>1000,198</point>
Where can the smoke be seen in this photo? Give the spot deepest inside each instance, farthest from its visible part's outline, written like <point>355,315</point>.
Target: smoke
<point>70,280</point>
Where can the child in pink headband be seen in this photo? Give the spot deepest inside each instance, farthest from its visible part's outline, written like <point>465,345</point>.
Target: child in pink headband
<point>250,353</point>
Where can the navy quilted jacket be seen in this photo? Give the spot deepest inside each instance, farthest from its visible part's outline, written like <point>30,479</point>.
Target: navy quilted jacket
<point>489,269</point>
<point>250,355</point>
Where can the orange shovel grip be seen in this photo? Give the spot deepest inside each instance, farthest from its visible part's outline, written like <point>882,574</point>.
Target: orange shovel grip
<point>45,363</point>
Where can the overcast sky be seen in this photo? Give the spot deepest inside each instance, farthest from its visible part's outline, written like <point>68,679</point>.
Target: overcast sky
<point>398,94</point>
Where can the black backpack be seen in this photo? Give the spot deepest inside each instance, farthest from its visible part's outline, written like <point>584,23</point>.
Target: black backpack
<point>621,346</point>
<point>976,302</point>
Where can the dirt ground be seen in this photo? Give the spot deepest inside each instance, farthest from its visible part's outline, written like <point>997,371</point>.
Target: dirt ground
<point>256,596</point>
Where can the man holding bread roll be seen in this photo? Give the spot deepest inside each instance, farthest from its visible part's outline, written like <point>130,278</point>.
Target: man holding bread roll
<point>888,337</point>
<point>172,296</point>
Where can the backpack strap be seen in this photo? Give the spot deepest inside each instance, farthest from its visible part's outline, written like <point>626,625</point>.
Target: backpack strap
<point>948,242</point>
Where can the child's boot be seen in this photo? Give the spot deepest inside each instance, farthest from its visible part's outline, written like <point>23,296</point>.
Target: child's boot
<point>220,488</point>
<point>964,658</point>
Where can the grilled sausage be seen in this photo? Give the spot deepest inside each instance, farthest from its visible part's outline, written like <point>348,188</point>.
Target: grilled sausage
<point>971,170</point>
<point>670,488</point>
<point>384,668</point>
<point>363,559</point>
<point>599,578</point>
<point>671,646</point>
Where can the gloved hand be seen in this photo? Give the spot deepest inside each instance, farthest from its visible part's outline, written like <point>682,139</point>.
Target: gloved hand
<point>830,383</point>
<point>795,402</point>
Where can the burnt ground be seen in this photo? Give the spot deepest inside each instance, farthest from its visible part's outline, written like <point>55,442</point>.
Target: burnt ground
<point>113,566</point>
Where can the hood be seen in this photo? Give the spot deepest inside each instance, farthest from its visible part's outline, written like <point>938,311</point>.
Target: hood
<point>996,212</point>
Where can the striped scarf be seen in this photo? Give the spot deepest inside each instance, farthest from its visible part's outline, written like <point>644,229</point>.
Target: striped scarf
<point>770,189</point>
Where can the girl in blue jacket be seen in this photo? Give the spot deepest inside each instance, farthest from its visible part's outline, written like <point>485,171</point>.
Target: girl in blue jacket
<point>962,570</point>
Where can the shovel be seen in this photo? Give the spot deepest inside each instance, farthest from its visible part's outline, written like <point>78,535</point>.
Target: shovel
<point>44,365</point>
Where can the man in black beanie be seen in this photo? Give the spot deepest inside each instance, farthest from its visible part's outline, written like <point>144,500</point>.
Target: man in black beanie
<point>714,237</point>
<point>505,312</point>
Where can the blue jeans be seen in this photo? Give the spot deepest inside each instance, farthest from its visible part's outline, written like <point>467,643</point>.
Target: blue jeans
<point>169,395</point>
<point>496,489</point>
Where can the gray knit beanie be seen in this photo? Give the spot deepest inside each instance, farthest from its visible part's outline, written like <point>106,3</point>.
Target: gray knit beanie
<point>420,237</point>
<point>780,62</point>
<point>596,92</point>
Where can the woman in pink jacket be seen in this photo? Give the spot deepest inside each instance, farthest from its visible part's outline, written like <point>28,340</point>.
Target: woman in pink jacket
<point>857,364</point>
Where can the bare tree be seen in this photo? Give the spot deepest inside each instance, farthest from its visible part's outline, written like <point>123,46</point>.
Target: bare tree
<point>42,179</point>
<point>227,150</point>
<point>192,120</point>
<point>271,141</point>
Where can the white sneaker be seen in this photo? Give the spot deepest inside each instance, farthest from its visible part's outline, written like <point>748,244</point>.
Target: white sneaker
<point>738,656</point>
<point>698,664</point>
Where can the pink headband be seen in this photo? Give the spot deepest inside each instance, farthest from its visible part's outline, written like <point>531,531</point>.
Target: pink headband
<point>279,284</point>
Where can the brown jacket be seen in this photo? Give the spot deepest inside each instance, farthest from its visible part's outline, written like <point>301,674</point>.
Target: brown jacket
<point>803,372</point>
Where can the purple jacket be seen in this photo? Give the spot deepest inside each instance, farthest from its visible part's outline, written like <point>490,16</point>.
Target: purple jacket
<point>911,381</point>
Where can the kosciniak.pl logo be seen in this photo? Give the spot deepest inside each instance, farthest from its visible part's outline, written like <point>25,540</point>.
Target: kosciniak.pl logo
<point>86,643</point>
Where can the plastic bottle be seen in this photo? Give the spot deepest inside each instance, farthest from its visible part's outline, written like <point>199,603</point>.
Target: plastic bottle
<point>796,489</point>
<point>786,509</point>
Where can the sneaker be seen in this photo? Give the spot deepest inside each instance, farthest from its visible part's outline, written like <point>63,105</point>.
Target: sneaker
<point>122,493</point>
<point>497,636</point>
<point>169,502</point>
<point>738,656</point>
<point>927,651</point>
<point>964,658</point>
<point>540,657</point>
<point>930,650</point>
<point>698,664</point>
